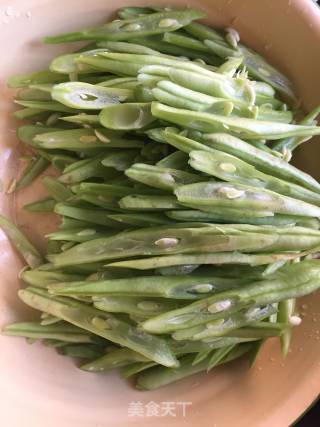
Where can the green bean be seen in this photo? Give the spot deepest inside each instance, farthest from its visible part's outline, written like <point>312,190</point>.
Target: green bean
<point>94,216</point>
<point>219,355</point>
<point>45,88</point>
<point>185,287</point>
<point>219,107</point>
<point>84,169</point>
<point>210,259</point>
<point>78,235</point>
<point>248,128</point>
<point>126,116</point>
<point>158,376</point>
<point>46,320</point>
<point>148,203</point>
<point>101,324</point>
<point>120,160</point>
<point>237,195</point>
<point>56,189</point>
<point>285,313</point>
<point>43,205</point>
<point>159,177</point>
<point>230,66</point>
<point>131,12</point>
<point>267,114</point>
<point>263,161</point>
<point>253,354</point>
<point>67,64</point>
<point>143,94</point>
<point>177,270</point>
<point>289,282</point>
<point>54,247</point>
<point>112,190</point>
<point>38,77</point>
<point>144,219</point>
<point>110,65</point>
<point>30,254</point>
<point>42,279</point>
<point>27,113</point>
<point>155,23</point>
<point>121,82</point>
<point>189,94</point>
<point>292,143</point>
<point>134,305</point>
<point>84,140</point>
<point>212,83</point>
<point>185,41</point>
<point>157,43</point>
<point>46,105</point>
<point>27,133</point>
<point>218,328</point>
<point>31,172</point>
<point>104,202</point>
<point>243,217</point>
<point>136,367</point>
<point>83,119</point>
<point>89,97</point>
<point>175,160</point>
<point>54,343</point>
<point>195,239</point>
<point>114,359</point>
<point>80,269</point>
<point>124,47</point>
<point>62,332</point>
<point>259,330</point>
<point>154,152</point>
<point>229,168</point>
<point>203,32</point>
<point>255,64</point>
<point>81,351</point>
<point>29,94</point>
<point>144,60</point>
<point>71,223</point>
<point>260,69</point>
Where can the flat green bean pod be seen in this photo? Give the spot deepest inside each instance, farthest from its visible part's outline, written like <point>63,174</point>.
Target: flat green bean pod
<point>30,254</point>
<point>88,97</point>
<point>155,23</point>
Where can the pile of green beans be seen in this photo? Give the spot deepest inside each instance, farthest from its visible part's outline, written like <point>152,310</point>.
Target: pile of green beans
<point>186,234</point>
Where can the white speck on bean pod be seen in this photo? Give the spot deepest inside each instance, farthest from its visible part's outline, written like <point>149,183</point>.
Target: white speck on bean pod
<point>231,193</point>
<point>227,167</point>
<point>167,22</point>
<point>167,242</point>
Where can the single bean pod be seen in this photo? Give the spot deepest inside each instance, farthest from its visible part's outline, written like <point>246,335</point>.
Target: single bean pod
<point>159,177</point>
<point>229,168</point>
<point>243,196</point>
<point>183,239</point>
<point>155,23</point>
<point>30,254</point>
<point>89,97</point>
